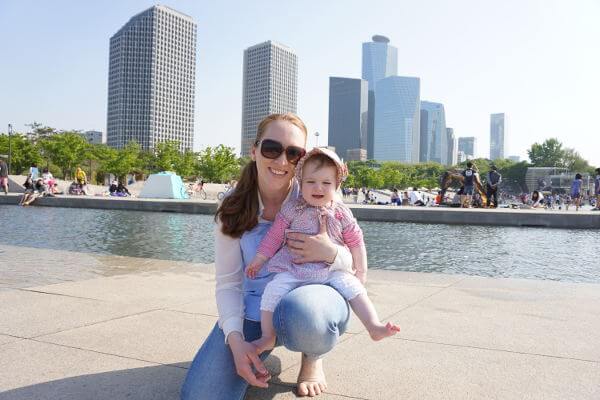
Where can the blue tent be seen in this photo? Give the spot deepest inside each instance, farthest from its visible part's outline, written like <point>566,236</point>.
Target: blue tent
<point>164,185</point>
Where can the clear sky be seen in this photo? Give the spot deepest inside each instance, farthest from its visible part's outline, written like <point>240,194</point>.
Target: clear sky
<point>538,61</point>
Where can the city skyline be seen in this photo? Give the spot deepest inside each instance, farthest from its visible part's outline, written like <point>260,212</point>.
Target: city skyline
<point>58,63</point>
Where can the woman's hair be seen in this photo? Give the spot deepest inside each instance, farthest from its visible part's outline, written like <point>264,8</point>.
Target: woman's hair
<point>535,194</point>
<point>238,212</point>
<point>598,170</point>
<point>578,176</point>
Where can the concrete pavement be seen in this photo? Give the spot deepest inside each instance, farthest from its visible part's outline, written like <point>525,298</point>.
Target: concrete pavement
<point>132,333</point>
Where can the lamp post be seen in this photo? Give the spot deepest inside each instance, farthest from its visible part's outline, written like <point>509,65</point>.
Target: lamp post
<point>9,146</point>
<point>317,137</point>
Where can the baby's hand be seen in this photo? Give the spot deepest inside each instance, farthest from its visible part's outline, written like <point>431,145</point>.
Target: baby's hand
<point>362,276</point>
<point>255,266</point>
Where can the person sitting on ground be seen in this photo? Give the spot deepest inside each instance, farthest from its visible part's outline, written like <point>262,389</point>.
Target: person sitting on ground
<point>48,178</point>
<point>537,199</point>
<point>121,188</point>
<point>4,176</point>
<point>395,197</point>
<point>415,198</point>
<point>112,190</point>
<point>39,190</point>
<point>80,177</point>
<point>405,199</point>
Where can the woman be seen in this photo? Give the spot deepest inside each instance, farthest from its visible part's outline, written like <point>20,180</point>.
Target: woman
<point>314,316</point>
<point>537,199</point>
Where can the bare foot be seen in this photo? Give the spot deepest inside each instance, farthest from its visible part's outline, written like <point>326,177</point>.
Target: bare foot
<point>311,379</point>
<point>381,331</point>
<point>264,343</point>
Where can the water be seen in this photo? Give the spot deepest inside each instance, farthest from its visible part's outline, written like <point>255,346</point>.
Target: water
<point>535,253</point>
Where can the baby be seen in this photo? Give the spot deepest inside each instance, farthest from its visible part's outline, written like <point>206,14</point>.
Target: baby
<point>320,174</point>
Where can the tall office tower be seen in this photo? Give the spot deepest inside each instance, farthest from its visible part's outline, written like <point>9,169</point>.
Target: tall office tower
<point>497,130</point>
<point>452,147</point>
<point>151,80</point>
<point>397,119</point>
<point>270,86</point>
<point>434,140</point>
<point>468,146</point>
<point>348,117</point>
<point>379,60</point>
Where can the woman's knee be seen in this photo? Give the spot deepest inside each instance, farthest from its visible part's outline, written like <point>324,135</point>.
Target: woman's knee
<point>310,319</point>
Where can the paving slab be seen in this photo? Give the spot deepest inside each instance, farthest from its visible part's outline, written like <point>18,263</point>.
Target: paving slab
<point>152,289</point>
<point>4,339</point>
<point>164,337</point>
<point>390,298</point>
<point>30,370</point>
<point>492,313</point>
<point>400,369</point>
<point>27,314</point>
<point>414,278</point>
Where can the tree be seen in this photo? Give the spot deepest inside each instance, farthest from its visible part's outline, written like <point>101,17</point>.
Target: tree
<point>548,154</point>
<point>67,150</point>
<point>167,155</point>
<point>187,164</point>
<point>123,161</point>
<point>23,153</point>
<point>574,162</point>
<point>218,164</point>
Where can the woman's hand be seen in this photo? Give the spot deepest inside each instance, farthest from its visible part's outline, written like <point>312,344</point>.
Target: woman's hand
<point>245,357</point>
<point>312,248</point>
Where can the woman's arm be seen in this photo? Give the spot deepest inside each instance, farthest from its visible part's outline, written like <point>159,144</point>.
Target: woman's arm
<point>229,276</point>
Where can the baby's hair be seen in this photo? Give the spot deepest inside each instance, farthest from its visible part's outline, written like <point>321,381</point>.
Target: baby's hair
<point>319,161</point>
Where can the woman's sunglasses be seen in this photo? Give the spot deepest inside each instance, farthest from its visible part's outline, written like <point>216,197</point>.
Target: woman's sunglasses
<point>272,149</point>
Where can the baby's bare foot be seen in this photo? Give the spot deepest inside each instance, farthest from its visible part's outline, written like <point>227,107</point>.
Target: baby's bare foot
<point>381,331</point>
<point>311,379</point>
<point>264,343</point>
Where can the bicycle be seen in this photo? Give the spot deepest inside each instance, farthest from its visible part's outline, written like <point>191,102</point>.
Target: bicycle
<point>196,190</point>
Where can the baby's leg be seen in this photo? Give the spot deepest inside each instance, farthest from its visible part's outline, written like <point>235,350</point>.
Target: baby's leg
<point>356,294</point>
<point>281,284</point>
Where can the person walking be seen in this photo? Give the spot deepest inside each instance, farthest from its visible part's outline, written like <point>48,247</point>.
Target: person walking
<point>597,189</point>
<point>576,194</point>
<point>493,181</point>
<point>4,176</point>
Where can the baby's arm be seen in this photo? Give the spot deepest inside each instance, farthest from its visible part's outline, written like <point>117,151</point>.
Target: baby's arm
<point>359,258</point>
<point>268,246</point>
<point>255,265</point>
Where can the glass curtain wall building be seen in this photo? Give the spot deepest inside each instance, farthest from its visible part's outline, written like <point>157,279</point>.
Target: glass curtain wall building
<point>397,119</point>
<point>497,130</point>
<point>151,80</point>
<point>468,146</point>
<point>379,61</point>
<point>452,147</point>
<point>348,117</point>
<point>270,86</point>
<point>434,139</point>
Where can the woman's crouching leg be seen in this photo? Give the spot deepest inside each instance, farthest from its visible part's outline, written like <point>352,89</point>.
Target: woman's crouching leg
<point>310,319</point>
<point>212,374</point>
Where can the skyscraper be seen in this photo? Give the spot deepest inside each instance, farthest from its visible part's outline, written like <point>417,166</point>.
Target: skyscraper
<point>468,146</point>
<point>270,86</point>
<point>379,60</point>
<point>434,138</point>
<point>397,119</point>
<point>497,136</point>
<point>348,116</point>
<point>452,147</point>
<point>151,80</point>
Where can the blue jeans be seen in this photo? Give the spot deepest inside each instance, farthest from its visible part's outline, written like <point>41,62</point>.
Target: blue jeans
<point>309,319</point>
